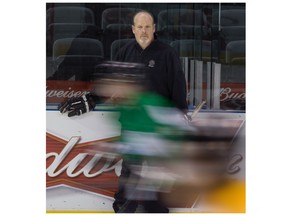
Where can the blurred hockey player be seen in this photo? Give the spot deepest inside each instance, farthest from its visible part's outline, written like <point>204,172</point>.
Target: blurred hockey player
<point>126,85</point>
<point>160,151</point>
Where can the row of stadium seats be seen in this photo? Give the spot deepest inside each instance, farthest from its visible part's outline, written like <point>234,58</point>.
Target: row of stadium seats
<point>173,24</point>
<point>175,17</point>
<point>234,53</point>
<point>79,57</point>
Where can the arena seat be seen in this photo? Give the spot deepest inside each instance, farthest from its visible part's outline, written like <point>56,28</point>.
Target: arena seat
<point>200,49</point>
<point>68,22</point>
<point>72,30</point>
<point>69,14</point>
<point>175,24</point>
<point>231,17</point>
<point>76,58</point>
<point>235,52</point>
<point>76,47</point>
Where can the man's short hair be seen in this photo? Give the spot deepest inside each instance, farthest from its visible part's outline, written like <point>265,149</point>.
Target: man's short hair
<point>143,11</point>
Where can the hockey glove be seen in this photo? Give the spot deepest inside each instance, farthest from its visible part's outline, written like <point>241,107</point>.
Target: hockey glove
<point>79,105</point>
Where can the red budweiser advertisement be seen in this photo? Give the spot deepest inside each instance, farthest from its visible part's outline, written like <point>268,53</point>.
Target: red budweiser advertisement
<point>81,179</point>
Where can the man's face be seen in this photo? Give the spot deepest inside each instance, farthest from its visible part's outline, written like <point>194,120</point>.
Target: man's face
<point>143,29</point>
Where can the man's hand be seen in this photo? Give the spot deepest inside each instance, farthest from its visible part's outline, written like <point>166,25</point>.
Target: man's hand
<point>78,105</point>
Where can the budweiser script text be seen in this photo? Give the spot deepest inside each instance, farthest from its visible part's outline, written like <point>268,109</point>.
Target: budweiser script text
<point>50,93</point>
<point>71,166</point>
<point>225,93</point>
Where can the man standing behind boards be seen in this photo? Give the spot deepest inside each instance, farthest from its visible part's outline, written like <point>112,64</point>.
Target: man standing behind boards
<point>163,63</point>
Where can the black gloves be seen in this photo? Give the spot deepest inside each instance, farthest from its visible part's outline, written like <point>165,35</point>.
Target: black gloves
<point>79,105</point>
